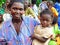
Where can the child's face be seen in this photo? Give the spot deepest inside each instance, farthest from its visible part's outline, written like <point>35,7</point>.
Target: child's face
<point>17,10</point>
<point>45,20</point>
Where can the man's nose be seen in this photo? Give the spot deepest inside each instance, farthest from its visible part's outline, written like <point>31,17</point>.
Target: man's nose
<point>18,11</point>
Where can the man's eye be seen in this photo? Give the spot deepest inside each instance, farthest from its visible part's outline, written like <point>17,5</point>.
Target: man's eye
<point>21,9</point>
<point>15,8</point>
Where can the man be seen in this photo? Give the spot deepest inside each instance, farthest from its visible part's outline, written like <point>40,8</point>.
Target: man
<point>19,30</point>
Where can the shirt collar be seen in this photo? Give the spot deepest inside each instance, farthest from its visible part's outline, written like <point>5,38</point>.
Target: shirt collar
<point>9,23</point>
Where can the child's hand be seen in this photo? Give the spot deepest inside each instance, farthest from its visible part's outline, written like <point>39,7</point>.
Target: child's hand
<point>51,36</point>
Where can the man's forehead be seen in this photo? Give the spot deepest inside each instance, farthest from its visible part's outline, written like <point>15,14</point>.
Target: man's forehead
<point>18,4</point>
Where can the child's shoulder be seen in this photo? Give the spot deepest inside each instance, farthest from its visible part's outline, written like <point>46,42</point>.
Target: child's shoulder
<point>38,26</point>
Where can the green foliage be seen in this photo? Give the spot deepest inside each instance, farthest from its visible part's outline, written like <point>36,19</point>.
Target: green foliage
<point>38,2</point>
<point>2,2</point>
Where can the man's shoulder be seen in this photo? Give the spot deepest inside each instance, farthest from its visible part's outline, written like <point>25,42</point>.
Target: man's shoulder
<point>30,20</point>
<point>27,18</point>
<point>7,23</point>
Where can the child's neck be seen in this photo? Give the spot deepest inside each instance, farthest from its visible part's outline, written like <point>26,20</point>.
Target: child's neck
<point>46,26</point>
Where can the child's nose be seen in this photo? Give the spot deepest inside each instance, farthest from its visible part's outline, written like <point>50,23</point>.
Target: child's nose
<point>45,22</point>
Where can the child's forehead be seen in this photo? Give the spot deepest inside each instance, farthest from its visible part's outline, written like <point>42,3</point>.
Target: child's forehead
<point>46,16</point>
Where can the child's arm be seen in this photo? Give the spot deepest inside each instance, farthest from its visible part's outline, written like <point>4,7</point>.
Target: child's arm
<point>52,37</point>
<point>41,39</point>
<point>37,36</point>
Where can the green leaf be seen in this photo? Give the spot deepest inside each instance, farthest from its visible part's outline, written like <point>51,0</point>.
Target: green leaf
<point>2,2</point>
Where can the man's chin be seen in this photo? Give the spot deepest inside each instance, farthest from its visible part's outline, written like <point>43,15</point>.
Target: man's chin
<point>17,18</point>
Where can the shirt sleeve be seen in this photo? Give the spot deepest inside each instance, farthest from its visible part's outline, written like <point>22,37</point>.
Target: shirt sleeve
<point>32,25</point>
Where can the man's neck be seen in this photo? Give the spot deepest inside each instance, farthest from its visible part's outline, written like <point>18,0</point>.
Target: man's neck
<point>16,20</point>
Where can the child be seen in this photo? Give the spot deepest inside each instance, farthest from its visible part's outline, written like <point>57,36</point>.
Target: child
<point>43,33</point>
<point>52,9</point>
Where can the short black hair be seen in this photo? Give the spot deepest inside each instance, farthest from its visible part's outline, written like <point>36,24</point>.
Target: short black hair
<point>46,11</point>
<point>11,3</point>
<point>54,20</point>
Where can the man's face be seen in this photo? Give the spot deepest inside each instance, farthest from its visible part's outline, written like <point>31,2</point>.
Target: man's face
<point>17,10</point>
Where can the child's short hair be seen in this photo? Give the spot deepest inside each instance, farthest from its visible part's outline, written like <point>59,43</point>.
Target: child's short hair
<point>54,21</point>
<point>46,11</point>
